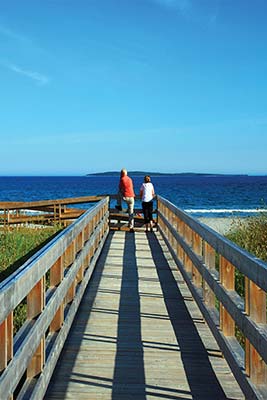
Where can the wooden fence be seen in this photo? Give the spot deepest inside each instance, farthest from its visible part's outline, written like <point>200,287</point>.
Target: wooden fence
<point>52,282</point>
<point>44,211</point>
<point>208,262</point>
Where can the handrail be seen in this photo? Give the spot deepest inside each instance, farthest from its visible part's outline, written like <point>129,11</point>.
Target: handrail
<point>15,205</point>
<point>44,211</point>
<point>195,248</point>
<point>67,263</point>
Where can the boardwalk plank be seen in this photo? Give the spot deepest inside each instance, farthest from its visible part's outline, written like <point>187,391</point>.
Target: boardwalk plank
<point>138,334</point>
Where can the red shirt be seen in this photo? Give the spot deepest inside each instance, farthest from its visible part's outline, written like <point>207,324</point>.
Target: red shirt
<point>126,186</point>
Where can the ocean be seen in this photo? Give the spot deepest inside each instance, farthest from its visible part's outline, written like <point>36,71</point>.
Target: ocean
<point>200,196</point>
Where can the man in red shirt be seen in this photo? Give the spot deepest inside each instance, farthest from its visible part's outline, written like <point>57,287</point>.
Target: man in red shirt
<point>126,193</point>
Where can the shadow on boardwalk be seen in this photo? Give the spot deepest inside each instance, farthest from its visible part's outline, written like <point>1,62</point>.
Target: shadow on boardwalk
<point>106,357</point>
<point>200,375</point>
<point>129,369</point>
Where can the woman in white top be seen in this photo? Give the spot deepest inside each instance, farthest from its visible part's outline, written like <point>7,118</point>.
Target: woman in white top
<point>147,194</point>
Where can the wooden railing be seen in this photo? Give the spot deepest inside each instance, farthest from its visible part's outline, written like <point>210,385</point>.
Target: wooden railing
<point>52,282</point>
<point>208,262</point>
<point>54,279</point>
<point>44,211</point>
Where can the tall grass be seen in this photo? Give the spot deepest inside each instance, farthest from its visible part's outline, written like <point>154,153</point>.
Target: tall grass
<point>16,247</point>
<point>19,244</point>
<point>251,235</point>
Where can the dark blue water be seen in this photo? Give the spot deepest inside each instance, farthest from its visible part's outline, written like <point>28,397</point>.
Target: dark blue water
<point>199,195</point>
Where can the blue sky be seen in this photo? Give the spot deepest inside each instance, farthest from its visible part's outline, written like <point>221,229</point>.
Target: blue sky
<point>153,85</point>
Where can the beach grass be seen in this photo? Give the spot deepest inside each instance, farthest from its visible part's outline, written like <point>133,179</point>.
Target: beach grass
<point>17,245</point>
<point>251,235</point>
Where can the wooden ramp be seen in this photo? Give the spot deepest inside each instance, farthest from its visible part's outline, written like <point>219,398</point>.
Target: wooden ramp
<point>138,334</point>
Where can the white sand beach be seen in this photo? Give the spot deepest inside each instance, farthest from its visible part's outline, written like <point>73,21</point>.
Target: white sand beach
<point>220,225</point>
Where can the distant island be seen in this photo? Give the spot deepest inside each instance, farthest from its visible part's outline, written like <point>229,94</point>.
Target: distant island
<point>142,173</point>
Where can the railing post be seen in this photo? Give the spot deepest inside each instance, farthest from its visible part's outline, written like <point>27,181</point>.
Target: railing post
<point>81,241</point>
<point>55,212</point>
<point>56,276</point>
<point>227,278</point>
<point>188,236</point>
<point>35,305</point>
<point>8,216</point>
<point>86,233</point>
<point>175,242</point>
<point>59,212</point>
<point>73,248</point>
<point>256,309</point>
<point>168,213</point>
<point>69,254</point>
<point>197,248</point>
<point>163,226</point>
<point>157,214</point>
<point>181,253</point>
<point>3,345</point>
<point>6,341</point>
<point>5,218</point>
<point>209,260</point>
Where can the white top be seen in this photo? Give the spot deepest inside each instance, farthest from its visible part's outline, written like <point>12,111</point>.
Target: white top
<point>147,190</point>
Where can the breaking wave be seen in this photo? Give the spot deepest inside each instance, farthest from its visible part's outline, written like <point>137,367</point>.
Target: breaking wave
<point>226,211</point>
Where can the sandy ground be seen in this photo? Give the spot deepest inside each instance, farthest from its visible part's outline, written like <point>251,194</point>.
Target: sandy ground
<point>220,225</point>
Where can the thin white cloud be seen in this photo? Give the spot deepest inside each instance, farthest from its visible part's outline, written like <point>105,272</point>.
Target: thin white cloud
<point>23,42</point>
<point>192,10</point>
<point>40,79</point>
<point>182,5</point>
<point>11,34</point>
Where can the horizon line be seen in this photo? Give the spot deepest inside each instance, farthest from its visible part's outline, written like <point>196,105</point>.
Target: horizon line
<point>115,172</point>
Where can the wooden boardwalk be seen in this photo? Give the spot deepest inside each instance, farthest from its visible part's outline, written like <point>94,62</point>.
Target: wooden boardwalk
<point>138,334</point>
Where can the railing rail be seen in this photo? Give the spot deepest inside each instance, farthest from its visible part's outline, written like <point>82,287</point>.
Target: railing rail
<point>53,282</point>
<point>208,262</point>
<point>56,210</point>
